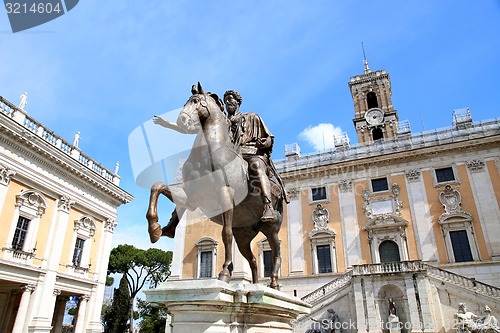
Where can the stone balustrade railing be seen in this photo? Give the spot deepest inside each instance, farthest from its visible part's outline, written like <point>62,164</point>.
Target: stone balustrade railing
<point>328,288</point>
<point>33,126</point>
<point>392,145</point>
<point>463,281</point>
<point>388,267</point>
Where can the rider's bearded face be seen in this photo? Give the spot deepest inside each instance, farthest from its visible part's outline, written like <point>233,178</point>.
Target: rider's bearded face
<point>231,104</point>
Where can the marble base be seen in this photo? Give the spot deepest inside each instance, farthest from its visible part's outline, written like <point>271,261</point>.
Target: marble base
<point>393,324</point>
<point>214,306</point>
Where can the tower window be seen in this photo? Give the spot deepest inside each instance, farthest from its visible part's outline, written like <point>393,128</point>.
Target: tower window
<point>371,99</point>
<point>377,134</point>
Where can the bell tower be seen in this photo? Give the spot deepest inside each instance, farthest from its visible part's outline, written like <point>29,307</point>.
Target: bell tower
<point>374,115</point>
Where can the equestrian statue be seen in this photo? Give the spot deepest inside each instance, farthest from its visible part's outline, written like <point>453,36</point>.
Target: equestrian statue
<point>229,176</point>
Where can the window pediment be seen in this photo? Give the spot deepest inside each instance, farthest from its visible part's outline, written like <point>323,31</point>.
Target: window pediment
<point>31,201</point>
<point>385,221</point>
<point>85,226</point>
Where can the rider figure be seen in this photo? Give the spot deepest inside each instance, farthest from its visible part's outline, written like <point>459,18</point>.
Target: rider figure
<point>255,142</point>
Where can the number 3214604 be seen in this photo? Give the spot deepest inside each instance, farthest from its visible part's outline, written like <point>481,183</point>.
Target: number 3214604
<point>35,8</point>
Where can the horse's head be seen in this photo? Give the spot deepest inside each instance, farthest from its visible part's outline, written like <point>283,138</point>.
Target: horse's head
<point>197,109</point>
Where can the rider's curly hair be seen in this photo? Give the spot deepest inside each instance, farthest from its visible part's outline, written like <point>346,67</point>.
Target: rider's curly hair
<point>235,94</point>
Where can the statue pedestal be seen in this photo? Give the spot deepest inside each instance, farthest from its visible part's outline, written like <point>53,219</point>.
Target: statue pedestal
<point>214,306</point>
<point>393,324</point>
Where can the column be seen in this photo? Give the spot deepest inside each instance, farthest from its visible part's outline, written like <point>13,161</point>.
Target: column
<point>178,254</point>
<point>80,319</point>
<point>59,312</point>
<point>350,227</point>
<point>295,233</point>
<point>486,205</point>
<point>101,270</point>
<point>45,299</point>
<point>421,217</point>
<point>23,309</point>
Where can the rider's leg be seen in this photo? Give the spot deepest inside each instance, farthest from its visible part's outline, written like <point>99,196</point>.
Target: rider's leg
<point>258,171</point>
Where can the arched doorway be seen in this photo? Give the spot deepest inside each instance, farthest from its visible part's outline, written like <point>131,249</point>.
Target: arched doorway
<point>389,251</point>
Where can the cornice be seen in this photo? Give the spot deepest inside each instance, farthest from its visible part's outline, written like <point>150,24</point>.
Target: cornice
<point>389,158</point>
<point>60,163</point>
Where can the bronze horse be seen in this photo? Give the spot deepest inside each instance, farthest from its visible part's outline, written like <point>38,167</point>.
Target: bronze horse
<point>215,181</point>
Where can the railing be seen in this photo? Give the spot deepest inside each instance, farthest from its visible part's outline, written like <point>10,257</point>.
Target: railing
<point>328,288</point>
<point>463,281</point>
<point>392,145</point>
<point>388,267</point>
<point>33,126</point>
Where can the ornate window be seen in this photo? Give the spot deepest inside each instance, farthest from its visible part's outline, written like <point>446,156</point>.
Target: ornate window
<point>318,193</point>
<point>457,228</point>
<point>206,258</point>
<point>30,207</point>
<point>445,175</point>
<point>322,242</point>
<point>84,228</point>
<point>265,258</point>
<point>379,185</point>
<point>268,262</point>
<point>389,251</point>
<point>385,226</point>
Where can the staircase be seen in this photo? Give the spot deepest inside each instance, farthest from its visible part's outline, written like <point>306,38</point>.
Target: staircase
<point>328,289</point>
<point>463,281</point>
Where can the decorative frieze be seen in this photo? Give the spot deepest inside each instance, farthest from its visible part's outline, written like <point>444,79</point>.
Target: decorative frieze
<point>6,175</point>
<point>345,185</point>
<point>413,175</point>
<point>65,204</point>
<point>476,165</point>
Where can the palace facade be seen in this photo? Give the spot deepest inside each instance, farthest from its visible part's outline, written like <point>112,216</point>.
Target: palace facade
<point>58,210</point>
<point>411,218</point>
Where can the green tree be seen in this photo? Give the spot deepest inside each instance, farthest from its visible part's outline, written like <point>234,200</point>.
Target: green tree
<point>115,317</point>
<point>153,317</point>
<point>138,267</point>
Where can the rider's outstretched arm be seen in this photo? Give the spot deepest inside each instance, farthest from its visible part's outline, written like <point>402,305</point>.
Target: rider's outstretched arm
<point>168,124</point>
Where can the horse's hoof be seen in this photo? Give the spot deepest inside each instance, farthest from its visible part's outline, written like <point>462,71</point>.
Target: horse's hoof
<point>155,232</point>
<point>168,231</point>
<point>225,276</point>
<point>274,285</point>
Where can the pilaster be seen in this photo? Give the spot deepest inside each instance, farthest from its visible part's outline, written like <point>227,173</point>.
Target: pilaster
<point>421,216</point>
<point>486,205</point>
<point>295,233</point>
<point>349,220</point>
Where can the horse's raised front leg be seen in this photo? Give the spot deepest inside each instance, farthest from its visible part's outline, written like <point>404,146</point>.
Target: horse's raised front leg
<point>154,228</point>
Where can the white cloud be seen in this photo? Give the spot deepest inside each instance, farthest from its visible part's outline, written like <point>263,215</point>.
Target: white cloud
<point>320,137</point>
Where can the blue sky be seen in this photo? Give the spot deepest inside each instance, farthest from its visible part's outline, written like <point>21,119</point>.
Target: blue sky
<point>107,67</point>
